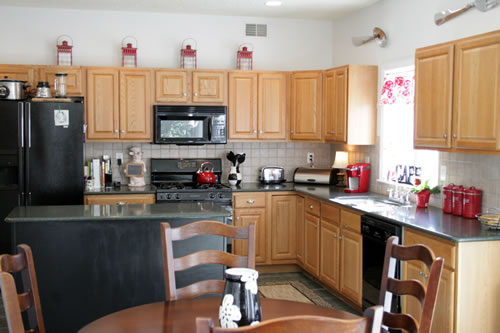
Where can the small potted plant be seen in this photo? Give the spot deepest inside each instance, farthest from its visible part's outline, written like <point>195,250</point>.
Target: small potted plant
<point>423,193</point>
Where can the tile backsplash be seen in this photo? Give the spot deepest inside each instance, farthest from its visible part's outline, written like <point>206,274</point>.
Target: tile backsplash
<point>258,154</point>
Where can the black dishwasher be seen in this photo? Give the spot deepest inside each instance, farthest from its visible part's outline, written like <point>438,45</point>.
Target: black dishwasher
<point>375,234</point>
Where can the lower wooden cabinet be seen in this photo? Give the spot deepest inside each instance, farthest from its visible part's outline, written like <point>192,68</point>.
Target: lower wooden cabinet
<point>351,265</point>
<point>330,255</point>
<point>119,199</point>
<point>283,227</point>
<point>311,242</point>
<point>300,229</point>
<point>243,217</point>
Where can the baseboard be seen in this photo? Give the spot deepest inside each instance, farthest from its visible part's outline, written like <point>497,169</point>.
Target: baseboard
<point>278,268</point>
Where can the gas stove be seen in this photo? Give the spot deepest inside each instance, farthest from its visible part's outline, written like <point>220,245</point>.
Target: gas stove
<point>175,180</point>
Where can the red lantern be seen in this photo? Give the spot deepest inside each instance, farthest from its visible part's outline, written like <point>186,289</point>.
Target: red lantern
<point>64,51</point>
<point>188,55</point>
<point>245,57</point>
<point>129,52</point>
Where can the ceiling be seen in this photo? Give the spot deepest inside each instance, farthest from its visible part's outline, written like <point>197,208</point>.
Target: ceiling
<point>299,9</point>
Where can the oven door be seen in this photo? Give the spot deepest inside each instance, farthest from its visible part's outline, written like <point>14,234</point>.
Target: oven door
<point>182,128</point>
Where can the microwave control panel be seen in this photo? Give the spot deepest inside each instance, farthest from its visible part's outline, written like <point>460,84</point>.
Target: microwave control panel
<point>218,133</point>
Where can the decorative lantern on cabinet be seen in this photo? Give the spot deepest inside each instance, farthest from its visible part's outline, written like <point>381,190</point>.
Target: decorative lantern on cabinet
<point>245,57</point>
<point>129,52</point>
<point>64,51</point>
<point>188,54</point>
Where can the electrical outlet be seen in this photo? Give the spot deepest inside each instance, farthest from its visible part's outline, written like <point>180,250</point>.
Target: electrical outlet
<point>119,158</point>
<point>310,158</point>
<point>442,174</point>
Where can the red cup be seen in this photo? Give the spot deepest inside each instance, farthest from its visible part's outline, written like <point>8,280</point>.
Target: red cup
<point>423,198</point>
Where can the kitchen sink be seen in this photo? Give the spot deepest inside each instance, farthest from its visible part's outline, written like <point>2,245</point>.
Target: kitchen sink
<point>368,203</point>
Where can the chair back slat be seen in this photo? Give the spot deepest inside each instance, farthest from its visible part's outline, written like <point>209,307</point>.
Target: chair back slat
<point>28,300</point>
<point>208,228</point>
<point>425,295</point>
<point>11,303</point>
<point>400,321</point>
<point>200,288</point>
<point>209,257</point>
<point>171,264</point>
<point>407,287</point>
<point>369,323</point>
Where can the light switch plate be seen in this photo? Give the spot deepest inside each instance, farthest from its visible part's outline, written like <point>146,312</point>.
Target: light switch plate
<point>442,173</point>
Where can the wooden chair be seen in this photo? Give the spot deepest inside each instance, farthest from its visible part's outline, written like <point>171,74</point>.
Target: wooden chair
<point>370,323</point>
<point>28,300</point>
<point>171,264</point>
<point>390,285</point>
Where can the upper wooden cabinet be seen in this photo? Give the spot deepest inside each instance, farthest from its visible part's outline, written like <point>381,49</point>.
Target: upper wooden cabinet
<point>456,98</point>
<point>190,87</point>
<point>119,104</point>
<point>19,72</point>
<point>350,105</point>
<point>257,105</point>
<point>75,81</point>
<point>305,106</point>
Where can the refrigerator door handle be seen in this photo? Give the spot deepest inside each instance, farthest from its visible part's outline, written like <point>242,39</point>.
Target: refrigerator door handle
<point>29,124</point>
<point>29,199</point>
<point>20,115</point>
<point>27,154</point>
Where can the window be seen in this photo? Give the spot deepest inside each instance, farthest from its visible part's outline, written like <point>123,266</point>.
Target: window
<point>399,162</point>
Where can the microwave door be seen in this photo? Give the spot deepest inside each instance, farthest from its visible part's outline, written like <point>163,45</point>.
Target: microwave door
<point>183,129</point>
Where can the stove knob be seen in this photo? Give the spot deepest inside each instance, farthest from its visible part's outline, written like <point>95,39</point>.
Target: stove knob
<point>221,195</point>
<point>211,195</point>
<point>169,196</point>
<point>177,196</point>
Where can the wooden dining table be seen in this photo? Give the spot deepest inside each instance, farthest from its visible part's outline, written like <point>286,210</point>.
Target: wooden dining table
<point>180,316</point>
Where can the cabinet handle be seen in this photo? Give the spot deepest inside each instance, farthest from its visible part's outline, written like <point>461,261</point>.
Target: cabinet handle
<point>121,203</point>
<point>185,94</point>
<point>237,218</point>
<point>260,131</point>
<point>311,207</point>
<point>445,136</point>
<point>255,131</point>
<point>426,276</point>
<point>331,132</point>
<point>340,237</point>
<point>291,132</point>
<point>454,136</point>
<point>122,131</point>
<point>196,94</point>
<point>334,235</point>
<point>116,131</point>
<point>251,201</point>
<point>420,273</point>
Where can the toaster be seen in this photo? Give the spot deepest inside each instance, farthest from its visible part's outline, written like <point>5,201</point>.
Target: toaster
<point>272,175</point>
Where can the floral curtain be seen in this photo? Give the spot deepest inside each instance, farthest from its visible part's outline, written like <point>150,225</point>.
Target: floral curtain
<point>398,88</point>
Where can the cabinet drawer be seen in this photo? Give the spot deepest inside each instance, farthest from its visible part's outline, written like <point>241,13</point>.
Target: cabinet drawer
<point>440,247</point>
<point>350,220</point>
<point>249,200</point>
<point>330,213</point>
<point>312,206</point>
<point>119,199</point>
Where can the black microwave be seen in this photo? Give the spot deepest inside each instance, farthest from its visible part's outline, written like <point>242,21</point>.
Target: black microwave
<point>190,124</point>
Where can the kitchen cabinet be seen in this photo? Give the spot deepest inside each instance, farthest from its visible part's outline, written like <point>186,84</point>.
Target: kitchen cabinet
<point>20,72</point>
<point>350,105</point>
<point>119,104</point>
<point>251,207</point>
<point>351,265</point>
<point>456,104</point>
<point>330,245</point>
<point>257,105</point>
<point>305,106</point>
<point>312,236</point>
<point>190,87</point>
<point>119,199</point>
<point>75,81</point>
<point>300,229</point>
<point>283,227</point>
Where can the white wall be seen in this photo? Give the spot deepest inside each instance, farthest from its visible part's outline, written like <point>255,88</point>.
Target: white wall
<point>409,24</point>
<point>97,35</point>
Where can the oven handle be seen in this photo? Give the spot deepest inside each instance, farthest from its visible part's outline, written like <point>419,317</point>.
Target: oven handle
<point>209,131</point>
<point>376,239</point>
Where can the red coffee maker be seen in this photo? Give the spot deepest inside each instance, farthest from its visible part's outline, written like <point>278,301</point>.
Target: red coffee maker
<point>358,177</point>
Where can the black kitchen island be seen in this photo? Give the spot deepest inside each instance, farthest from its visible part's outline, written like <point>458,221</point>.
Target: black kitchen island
<point>97,259</point>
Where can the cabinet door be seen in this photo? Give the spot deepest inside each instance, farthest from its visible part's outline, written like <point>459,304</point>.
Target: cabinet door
<point>306,106</point>
<point>351,265</point>
<point>242,217</point>
<point>74,80</point>
<point>412,270</point>
<point>283,227</point>
<point>272,106</point>
<point>135,105</point>
<point>242,106</point>
<point>311,231</point>
<point>476,108</point>
<point>209,87</point>
<point>433,96</point>
<point>443,321</point>
<point>120,199</point>
<point>300,229</point>
<point>171,86</point>
<point>19,72</point>
<point>102,103</point>
<point>330,254</point>
<point>335,105</point>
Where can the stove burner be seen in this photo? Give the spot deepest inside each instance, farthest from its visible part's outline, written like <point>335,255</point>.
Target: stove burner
<point>171,186</point>
<point>214,186</point>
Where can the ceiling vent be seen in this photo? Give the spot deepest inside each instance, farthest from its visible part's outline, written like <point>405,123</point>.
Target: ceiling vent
<point>256,30</point>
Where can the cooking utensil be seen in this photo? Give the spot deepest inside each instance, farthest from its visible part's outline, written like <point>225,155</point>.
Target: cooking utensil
<point>206,173</point>
<point>231,157</point>
<point>446,15</point>
<point>13,89</point>
<point>241,158</point>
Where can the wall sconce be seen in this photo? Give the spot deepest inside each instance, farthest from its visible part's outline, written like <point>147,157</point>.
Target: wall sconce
<point>341,161</point>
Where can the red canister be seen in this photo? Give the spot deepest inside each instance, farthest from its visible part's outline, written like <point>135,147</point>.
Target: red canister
<point>458,200</point>
<point>448,198</point>
<point>472,202</point>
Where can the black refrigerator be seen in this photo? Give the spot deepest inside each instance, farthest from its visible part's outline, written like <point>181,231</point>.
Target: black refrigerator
<point>41,157</point>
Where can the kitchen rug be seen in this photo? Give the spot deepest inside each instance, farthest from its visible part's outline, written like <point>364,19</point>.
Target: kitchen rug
<point>292,291</point>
